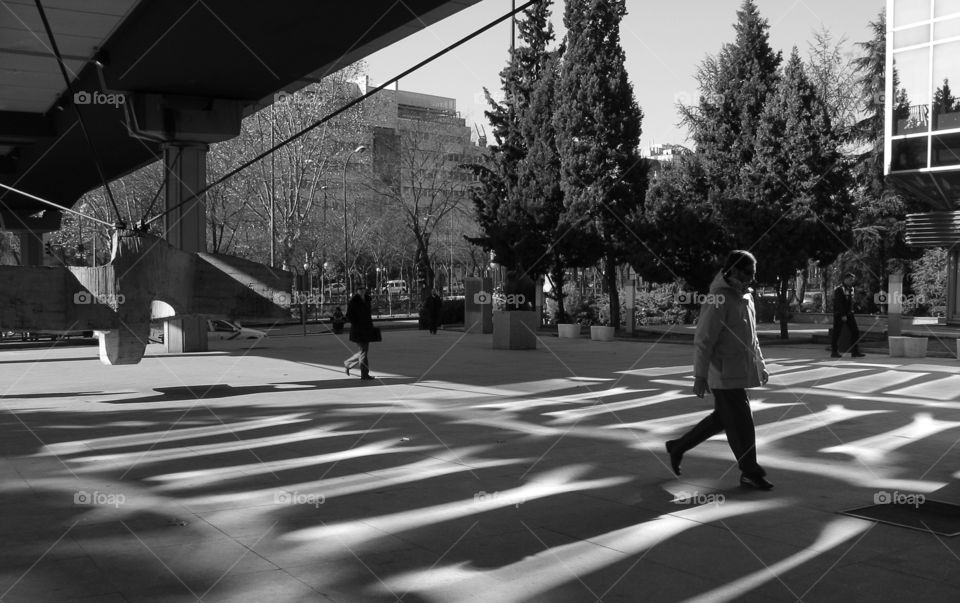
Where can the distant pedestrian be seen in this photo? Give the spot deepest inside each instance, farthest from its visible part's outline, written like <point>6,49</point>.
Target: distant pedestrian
<point>362,332</point>
<point>843,315</point>
<point>726,361</point>
<point>432,307</point>
<point>337,320</point>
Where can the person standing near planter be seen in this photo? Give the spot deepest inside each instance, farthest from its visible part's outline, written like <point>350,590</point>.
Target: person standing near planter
<point>432,310</point>
<point>362,332</point>
<point>843,298</point>
<point>726,361</point>
<point>337,320</point>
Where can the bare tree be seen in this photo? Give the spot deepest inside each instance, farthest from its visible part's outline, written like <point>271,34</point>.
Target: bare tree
<point>424,182</point>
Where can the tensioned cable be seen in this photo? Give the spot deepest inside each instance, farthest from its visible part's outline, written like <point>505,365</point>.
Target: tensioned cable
<point>352,103</point>
<point>56,205</point>
<point>83,126</point>
<point>163,184</point>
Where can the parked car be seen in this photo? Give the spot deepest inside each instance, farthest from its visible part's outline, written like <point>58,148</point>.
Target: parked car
<point>395,288</point>
<point>219,329</point>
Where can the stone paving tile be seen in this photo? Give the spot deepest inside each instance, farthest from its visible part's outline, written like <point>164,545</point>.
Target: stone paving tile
<point>467,474</point>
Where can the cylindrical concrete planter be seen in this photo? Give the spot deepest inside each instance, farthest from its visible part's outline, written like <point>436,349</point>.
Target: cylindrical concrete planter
<point>598,333</point>
<point>958,349</point>
<point>568,330</point>
<point>895,344</point>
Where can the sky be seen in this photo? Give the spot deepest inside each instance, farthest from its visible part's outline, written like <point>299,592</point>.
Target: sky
<point>664,41</point>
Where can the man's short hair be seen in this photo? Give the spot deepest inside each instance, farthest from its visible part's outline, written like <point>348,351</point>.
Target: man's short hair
<point>739,258</point>
<point>849,275</point>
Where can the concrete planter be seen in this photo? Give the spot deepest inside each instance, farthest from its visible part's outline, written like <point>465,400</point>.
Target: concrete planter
<point>568,330</point>
<point>958,349</point>
<point>915,347</point>
<point>598,333</point>
<point>909,347</point>
<point>515,330</point>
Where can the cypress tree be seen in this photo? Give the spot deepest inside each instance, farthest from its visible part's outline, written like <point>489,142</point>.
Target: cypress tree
<point>598,125</point>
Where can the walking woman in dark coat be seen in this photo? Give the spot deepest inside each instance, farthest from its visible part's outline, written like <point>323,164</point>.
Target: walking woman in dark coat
<point>361,332</point>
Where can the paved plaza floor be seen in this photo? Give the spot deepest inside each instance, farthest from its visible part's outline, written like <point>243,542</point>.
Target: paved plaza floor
<point>465,474</point>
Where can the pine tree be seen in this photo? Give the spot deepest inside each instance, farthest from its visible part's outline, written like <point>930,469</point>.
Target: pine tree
<point>943,101</point>
<point>511,209</point>
<point>707,191</point>
<point>598,124</point>
<point>744,74</point>
<point>797,209</point>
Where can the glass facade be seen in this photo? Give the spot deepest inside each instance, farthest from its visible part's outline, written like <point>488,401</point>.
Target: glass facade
<point>925,117</point>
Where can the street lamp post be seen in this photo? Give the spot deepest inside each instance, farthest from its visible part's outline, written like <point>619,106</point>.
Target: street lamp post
<point>346,265</point>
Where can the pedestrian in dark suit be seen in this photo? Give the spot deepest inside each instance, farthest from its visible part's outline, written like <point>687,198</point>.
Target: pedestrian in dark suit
<point>726,361</point>
<point>361,332</point>
<point>843,297</point>
<point>432,309</point>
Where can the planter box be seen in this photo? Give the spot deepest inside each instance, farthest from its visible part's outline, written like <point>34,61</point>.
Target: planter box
<point>598,333</point>
<point>567,330</point>
<point>910,347</point>
<point>516,330</point>
<point>915,347</point>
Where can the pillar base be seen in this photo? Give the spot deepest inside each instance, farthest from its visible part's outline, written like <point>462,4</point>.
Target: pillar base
<point>185,335</point>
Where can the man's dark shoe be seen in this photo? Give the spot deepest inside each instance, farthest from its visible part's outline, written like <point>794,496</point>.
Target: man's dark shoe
<point>758,482</point>
<point>367,378</point>
<point>857,355</point>
<point>835,355</point>
<point>675,456</point>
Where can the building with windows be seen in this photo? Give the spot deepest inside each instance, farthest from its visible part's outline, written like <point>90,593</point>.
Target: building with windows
<point>667,152</point>
<point>922,141</point>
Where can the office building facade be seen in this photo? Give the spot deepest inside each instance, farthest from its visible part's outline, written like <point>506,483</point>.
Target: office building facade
<point>922,141</point>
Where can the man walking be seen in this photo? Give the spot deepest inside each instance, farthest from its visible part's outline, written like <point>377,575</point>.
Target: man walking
<point>361,332</point>
<point>843,315</point>
<point>726,361</point>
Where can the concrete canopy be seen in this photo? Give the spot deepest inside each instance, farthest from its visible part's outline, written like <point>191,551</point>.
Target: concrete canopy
<point>238,52</point>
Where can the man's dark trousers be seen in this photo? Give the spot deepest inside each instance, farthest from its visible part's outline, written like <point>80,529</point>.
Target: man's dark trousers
<point>838,323</point>
<point>731,414</point>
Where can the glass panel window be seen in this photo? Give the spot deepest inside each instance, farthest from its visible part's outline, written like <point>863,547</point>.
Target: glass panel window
<point>946,78</point>
<point>946,29</point>
<point>911,37</point>
<point>906,12</point>
<point>911,109</point>
<point>909,153</point>
<point>946,150</point>
<point>946,7</point>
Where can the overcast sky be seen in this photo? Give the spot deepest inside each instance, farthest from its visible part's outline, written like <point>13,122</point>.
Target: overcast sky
<point>664,41</point>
